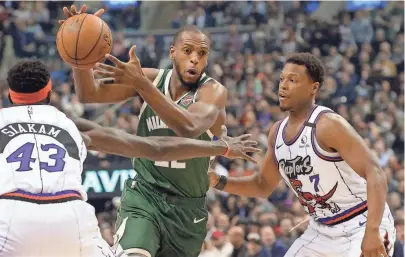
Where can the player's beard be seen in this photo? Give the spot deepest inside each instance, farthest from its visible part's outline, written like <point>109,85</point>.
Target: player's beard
<point>190,85</point>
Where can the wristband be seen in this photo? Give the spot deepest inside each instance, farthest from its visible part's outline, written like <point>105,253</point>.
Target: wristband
<point>221,183</point>
<point>228,149</point>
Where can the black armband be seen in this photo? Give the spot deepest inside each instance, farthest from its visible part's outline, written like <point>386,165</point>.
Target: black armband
<point>221,183</point>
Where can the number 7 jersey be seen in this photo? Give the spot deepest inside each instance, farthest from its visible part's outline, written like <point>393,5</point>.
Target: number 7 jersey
<point>328,188</point>
<point>41,151</point>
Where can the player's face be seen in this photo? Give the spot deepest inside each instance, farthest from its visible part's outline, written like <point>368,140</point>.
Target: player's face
<point>296,88</point>
<point>190,57</point>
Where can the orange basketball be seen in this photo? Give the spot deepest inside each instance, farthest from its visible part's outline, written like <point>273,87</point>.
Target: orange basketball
<point>83,40</point>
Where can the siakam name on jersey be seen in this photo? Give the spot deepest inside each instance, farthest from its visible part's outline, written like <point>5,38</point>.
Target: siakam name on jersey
<point>15,129</point>
<point>10,131</point>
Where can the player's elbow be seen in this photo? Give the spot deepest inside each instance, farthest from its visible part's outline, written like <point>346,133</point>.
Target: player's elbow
<point>265,188</point>
<point>189,131</point>
<point>375,175</point>
<point>83,98</point>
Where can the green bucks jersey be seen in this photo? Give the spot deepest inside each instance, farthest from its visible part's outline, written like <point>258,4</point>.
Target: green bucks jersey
<point>183,177</point>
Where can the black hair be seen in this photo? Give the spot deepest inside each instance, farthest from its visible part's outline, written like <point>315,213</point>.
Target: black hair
<point>313,65</point>
<point>28,76</point>
<point>187,28</point>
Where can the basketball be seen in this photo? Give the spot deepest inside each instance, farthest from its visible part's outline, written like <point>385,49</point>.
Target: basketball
<point>83,40</point>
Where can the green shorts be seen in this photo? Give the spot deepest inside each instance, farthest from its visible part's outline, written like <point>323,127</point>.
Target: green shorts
<point>164,226</point>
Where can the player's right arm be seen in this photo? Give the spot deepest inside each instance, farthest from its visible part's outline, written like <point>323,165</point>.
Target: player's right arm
<point>115,141</point>
<point>90,90</point>
<point>261,184</point>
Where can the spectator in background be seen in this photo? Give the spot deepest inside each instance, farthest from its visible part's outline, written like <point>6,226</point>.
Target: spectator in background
<point>399,244</point>
<point>361,27</point>
<point>346,34</point>
<point>275,247</point>
<point>254,246</point>
<point>209,250</point>
<point>364,83</point>
<point>150,55</point>
<point>236,236</point>
<point>221,243</point>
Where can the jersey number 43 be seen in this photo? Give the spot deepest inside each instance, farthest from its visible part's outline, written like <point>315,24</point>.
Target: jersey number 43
<point>23,155</point>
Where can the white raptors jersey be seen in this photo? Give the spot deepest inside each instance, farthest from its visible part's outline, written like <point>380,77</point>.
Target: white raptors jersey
<point>41,151</point>
<point>328,188</point>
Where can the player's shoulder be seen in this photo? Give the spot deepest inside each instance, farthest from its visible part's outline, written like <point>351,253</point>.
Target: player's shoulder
<point>332,126</point>
<point>213,86</point>
<point>330,119</point>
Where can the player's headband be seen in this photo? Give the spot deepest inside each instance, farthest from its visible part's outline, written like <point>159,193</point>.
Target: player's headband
<point>30,98</point>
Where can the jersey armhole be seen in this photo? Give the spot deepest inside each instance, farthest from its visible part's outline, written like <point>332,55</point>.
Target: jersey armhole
<point>319,151</point>
<point>274,141</point>
<point>158,77</point>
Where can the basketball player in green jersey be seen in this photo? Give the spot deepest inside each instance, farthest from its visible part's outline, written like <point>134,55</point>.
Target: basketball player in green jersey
<point>163,210</point>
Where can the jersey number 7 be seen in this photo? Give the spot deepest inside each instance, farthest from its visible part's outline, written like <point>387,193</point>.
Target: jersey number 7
<point>24,155</point>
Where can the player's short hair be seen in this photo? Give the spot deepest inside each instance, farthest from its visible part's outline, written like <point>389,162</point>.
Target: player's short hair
<point>187,28</point>
<point>28,76</point>
<point>313,65</point>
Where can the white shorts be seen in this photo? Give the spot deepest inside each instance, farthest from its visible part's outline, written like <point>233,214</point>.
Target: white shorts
<point>342,239</point>
<point>68,229</point>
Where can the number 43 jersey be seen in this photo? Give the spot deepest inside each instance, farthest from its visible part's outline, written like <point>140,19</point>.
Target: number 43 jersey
<point>41,151</point>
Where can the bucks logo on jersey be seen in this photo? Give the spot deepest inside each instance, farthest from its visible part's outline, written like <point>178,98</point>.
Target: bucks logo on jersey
<point>182,177</point>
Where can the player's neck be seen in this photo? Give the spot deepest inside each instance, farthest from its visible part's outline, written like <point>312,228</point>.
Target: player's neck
<point>176,88</point>
<point>301,114</point>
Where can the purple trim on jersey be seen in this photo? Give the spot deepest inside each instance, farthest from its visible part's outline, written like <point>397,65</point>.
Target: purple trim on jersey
<point>43,198</point>
<point>346,215</point>
<point>275,141</point>
<point>313,138</point>
<point>292,141</point>
<point>65,192</point>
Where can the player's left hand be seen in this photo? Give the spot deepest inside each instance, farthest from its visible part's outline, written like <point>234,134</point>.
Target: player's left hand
<point>239,146</point>
<point>372,245</point>
<point>129,73</point>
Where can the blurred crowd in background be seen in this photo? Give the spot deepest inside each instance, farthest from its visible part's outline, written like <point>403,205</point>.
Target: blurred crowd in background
<point>363,52</point>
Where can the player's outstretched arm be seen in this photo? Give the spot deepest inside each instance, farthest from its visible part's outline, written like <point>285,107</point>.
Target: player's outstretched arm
<point>114,141</point>
<point>198,118</point>
<point>261,184</point>
<point>90,90</point>
<point>194,121</point>
<point>334,133</point>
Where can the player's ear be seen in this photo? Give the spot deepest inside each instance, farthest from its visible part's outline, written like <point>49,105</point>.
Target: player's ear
<point>315,87</point>
<point>9,99</point>
<point>171,53</point>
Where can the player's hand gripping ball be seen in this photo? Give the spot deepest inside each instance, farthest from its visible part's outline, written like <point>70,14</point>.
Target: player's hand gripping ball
<point>83,39</point>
